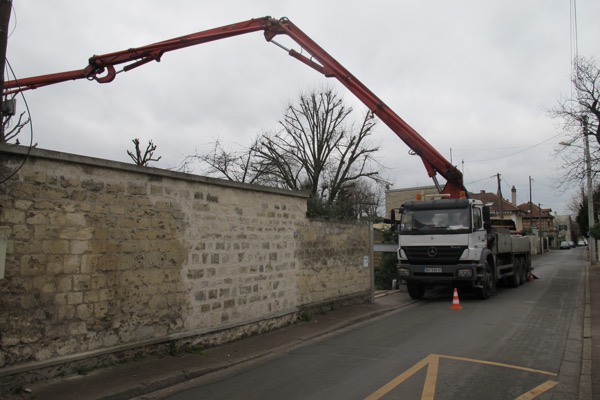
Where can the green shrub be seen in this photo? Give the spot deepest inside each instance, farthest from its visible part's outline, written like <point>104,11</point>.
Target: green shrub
<point>386,272</point>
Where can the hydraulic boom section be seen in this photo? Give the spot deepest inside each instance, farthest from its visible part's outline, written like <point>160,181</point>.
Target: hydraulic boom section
<point>101,68</point>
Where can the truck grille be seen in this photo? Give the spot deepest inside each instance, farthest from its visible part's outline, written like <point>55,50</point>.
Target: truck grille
<point>433,255</point>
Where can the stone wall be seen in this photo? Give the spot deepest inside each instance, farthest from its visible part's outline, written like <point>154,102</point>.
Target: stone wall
<point>104,256</point>
<point>332,256</point>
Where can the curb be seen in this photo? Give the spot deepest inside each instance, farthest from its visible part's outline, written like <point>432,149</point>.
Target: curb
<point>585,380</point>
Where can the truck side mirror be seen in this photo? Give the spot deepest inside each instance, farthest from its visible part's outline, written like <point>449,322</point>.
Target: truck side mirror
<point>486,214</point>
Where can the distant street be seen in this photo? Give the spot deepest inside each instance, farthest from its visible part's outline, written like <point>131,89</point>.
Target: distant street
<point>513,346</point>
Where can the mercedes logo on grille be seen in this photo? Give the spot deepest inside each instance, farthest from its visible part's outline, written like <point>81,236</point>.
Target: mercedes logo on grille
<point>432,252</point>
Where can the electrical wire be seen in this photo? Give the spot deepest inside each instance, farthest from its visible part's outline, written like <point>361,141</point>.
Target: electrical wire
<point>516,152</point>
<point>30,131</point>
<point>574,61</point>
<point>573,33</point>
<point>14,18</point>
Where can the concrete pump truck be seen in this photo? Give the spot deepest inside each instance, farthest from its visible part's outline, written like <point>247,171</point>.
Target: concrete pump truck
<point>446,241</point>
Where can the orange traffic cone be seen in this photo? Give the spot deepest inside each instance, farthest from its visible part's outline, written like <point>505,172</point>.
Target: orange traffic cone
<point>455,302</point>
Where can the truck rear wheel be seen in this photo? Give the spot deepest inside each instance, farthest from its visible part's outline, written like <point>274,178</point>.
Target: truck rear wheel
<point>524,270</point>
<point>416,290</point>
<point>515,279</point>
<point>488,286</point>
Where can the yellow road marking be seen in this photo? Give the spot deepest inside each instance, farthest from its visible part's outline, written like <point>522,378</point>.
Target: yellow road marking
<point>388,387</point>
<point>430,379</point>
<point>535,392</point>
<point>536,371</point>
<point>432,363</point>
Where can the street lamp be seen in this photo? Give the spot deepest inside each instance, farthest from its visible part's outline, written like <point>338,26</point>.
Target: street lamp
<point>590,193</point>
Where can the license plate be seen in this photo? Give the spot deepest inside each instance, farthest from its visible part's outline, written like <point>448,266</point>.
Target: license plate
<point>433,270</point>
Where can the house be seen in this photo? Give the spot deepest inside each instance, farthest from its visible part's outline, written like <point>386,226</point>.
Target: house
<point>564,231</point>
<point>538,220</point>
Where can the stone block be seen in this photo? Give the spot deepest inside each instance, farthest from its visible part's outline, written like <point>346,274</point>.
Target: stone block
<point>33,265</point>
<point>55,246</point>
<point>84,311</point>
<point>13,216</point>
<point>74,298</point>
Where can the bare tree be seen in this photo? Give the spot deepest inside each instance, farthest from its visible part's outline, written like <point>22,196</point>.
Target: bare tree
<point>143,159</point>
<point>10,128</point>
<point>239,165</point>
<point>578,115</point>
<point>317,150</point>
<point>360,199</point>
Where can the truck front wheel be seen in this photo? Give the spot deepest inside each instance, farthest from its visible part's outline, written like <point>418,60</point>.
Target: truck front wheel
<point>416,290</point>
<point>488,286</point>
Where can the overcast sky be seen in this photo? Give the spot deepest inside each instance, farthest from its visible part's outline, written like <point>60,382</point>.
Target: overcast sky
<point>473,77</point>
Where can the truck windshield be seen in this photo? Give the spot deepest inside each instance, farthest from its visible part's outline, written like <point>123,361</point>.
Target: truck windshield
<point>452,220</point>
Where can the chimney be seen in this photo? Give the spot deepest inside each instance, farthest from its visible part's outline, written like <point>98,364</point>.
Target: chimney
<point>513,192</point>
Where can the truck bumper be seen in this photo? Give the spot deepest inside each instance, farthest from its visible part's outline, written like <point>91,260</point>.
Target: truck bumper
<point>461,274</point>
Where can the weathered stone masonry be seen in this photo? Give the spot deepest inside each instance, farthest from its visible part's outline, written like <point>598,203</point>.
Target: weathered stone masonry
<point>103,256</point>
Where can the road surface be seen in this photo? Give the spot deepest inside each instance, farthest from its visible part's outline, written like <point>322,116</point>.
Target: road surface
<point>519,344</point>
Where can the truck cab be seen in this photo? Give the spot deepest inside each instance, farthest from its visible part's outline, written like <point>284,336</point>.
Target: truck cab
<point>454,242</point>
<point>442,242</point>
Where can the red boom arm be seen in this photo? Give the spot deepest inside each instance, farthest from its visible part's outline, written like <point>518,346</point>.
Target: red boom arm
<point>102,69</point>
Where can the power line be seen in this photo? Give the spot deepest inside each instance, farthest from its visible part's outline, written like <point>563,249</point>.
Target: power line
<point>516,152</point>
<point>573,32</point>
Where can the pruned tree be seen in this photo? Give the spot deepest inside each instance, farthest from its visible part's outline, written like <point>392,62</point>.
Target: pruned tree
<point>10,128</point>
<point>360,199</point>
<point>146,157</point>
<point>316,149</point>
<point>579,115</point>
<point>239,165</point>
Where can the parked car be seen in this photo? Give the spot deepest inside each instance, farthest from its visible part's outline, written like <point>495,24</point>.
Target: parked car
<point>581,243</point>
<point>565,245</point>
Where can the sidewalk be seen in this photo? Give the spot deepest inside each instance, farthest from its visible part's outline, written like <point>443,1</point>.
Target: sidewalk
<point>591,334</point>
<point>136,378</point>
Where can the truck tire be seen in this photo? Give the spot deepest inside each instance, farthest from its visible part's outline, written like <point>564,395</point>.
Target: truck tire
<point>488,286</point>
<point>524,270</point>
<point>416,290</point>
<point>515,279</point>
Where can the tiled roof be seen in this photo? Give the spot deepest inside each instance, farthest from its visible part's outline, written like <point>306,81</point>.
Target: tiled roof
<point>536,211</point>
<point>487,198</point>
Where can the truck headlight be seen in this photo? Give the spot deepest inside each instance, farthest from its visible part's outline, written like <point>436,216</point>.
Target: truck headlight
<point>403,272</point>
<point>465,273</point>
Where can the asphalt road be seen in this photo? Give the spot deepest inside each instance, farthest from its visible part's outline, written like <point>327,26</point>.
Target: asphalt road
<point>519,344</point>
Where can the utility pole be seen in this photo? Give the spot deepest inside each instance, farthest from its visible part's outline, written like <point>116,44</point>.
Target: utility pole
<point>540,219</point>
<point>5,10</point>
<point>530,207</point>
<point>500,197</point>
<point>590,190</point>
